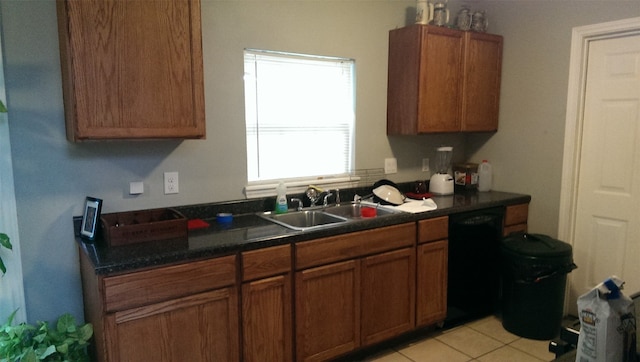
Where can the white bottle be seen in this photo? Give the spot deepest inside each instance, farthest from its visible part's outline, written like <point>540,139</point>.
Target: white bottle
<point>281,198</point>
<point>485,174</point>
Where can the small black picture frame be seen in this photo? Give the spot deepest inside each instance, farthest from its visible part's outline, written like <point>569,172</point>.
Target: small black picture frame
<point>90,218</point>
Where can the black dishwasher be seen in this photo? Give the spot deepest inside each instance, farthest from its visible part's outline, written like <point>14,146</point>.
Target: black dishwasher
<point>474,265</point>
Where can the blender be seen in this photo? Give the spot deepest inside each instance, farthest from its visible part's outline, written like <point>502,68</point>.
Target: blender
<point>441,183</point>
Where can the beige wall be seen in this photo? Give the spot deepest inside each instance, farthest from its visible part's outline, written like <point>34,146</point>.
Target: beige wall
<point>527,150</point>
<point>52,176</point>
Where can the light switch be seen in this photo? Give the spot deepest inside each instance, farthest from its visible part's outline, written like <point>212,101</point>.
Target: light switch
<point>136,188</point>
<point>390,165</point>
<point>425,165</point>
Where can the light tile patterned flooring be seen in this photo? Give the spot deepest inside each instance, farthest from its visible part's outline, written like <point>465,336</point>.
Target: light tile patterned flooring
<point>483,340</point>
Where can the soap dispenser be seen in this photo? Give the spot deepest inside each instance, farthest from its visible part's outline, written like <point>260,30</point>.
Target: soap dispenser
<point>281,198</point>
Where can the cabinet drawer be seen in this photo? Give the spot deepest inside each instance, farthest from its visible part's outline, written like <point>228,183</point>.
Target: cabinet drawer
<point>266,262</point>
<point>151,286</point>
<point>349,246</point>
<point>433,229</point>
<point>516,214</point>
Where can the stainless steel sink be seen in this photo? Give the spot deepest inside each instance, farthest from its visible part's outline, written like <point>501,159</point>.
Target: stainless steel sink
<point>352,210</point>
<point>304,220</point>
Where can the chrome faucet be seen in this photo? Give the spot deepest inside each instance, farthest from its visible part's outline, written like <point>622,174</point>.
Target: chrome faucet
<point>313,193</point>
<point>295,199</point>
<point>325,201</point>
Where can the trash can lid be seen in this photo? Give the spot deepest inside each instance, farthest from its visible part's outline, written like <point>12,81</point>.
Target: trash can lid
<point>535,245</point>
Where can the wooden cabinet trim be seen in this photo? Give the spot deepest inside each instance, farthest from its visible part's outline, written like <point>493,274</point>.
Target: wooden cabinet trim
<point>353,245</point>
<point>433,229</point>
<point>262,263</point>
<point>155,285</point>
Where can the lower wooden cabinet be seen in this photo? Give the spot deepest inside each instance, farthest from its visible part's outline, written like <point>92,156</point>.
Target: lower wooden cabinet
<point>327,311</point>
<point>432,266</point>
<point>388,295</point>
<point>432,283</point>
<point>267,314</point>
<point>343,304</point>
<point>308,301</point>
<point>185,312</point>
<point>203,327</point>
<point>515,219</point>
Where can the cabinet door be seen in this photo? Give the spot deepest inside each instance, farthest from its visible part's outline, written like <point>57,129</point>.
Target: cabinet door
<point>431,286</point>
<point>327,311</point>
<point>132,69</point>
<point>388,295</point>
<point>440,83</point>
<point>202,327</point>
<point>481,89</point>
<point>266,319</point>
<point>424,80</point>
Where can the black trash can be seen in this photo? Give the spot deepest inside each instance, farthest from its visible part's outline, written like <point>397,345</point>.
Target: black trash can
<point>534,275</point>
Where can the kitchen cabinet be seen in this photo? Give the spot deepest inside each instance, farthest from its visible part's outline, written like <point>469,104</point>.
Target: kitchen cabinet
<point>482,70</point>
<point>442,80</point>
<point>515,218</point>
<point>432,267</point>
<point>178,312</point>
<point>267,304</point>
<point>327,311</point>
<point>131,69</point>
<point>343,282</point>
<point>388,295</point>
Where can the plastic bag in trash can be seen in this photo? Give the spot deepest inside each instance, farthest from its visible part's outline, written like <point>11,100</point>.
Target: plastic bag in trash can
<point>607,324</point>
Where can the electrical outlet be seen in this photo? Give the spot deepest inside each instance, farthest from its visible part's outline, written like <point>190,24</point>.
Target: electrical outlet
<point>390,165</point>
<point>425,165</point>
<point>171,185</point>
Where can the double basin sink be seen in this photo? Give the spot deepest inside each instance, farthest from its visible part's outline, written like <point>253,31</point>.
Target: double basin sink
<point>324,217</point>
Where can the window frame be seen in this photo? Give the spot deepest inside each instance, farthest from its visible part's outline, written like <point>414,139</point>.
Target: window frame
<point>344,179</point>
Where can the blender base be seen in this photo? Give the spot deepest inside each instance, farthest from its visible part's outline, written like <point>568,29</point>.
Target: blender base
<point>441,184</point>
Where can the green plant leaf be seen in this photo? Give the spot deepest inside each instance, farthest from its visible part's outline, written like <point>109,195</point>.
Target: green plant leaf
<point>51,349</point>
<point>26,342</point>
<point>5,241</point>
<point>3,109</point>
<point>85,332</point>
<point>30,356</point>
<point>66,323</point>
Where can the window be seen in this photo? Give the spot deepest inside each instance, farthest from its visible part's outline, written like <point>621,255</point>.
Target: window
<point>300,115</point>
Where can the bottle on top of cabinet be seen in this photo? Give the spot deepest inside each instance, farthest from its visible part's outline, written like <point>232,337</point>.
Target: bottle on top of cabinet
<point>485,175</point>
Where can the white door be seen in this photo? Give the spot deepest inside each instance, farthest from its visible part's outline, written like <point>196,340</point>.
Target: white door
<point>607,216</point>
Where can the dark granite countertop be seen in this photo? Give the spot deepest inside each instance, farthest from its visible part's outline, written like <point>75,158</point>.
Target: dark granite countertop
<point>248,231</point>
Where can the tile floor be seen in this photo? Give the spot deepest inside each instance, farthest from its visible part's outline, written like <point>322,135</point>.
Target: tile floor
<point>483,340</point>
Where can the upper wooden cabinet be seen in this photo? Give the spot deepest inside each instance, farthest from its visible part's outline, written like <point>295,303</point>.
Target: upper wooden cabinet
<point>482,68</point>
<point>442,80</point>
<point>132,69</point>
